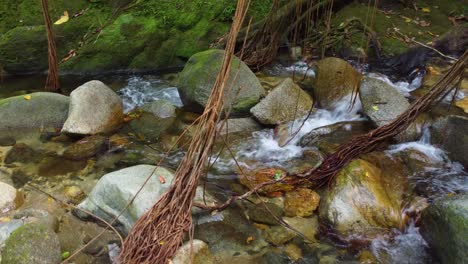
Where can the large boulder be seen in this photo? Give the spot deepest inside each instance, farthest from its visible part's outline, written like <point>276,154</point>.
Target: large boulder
<point>365,198</point>
<point>32,243</point>
<point>114,190</point>
<point>444,226</point>
<point>335,79</point>
<point>94,109</point>
<point>36,110</point>
<point>285,103</point>
<point>199,75</point>
<point>450,134</point>
<point>381,101</point>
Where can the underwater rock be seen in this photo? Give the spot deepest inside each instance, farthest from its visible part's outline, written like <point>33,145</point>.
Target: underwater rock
<point>335,79</point>
<point>85,148</point>
<point>37,110</point>
<point>149,127</point>
<point>160,108</point>
<point>444,225</point>
<point>94,109</point>
<point>32,243</point>
<point>284,103</point>
<point>195,252</point>
<point>21,153</point>
<point>199,75</point>
<point>301,202</point>
<point>258,213</point>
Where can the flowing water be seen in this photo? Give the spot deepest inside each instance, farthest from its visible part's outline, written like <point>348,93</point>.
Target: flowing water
<point>264,149</point>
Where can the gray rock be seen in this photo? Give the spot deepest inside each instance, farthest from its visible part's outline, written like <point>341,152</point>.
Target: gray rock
<point>9,198</point>
<point>199,75</point>
<point>258,213</point>
<point>285,103</point>
<point>195,252</point>
<point>239,125</point>
<point>94,109</point>
<point>7,228</point>
<point>160,108</point>
<point>335,79</point>
<point>114,190</point>
<point>279,235</point>
<point>444,226</point>
<point>42,110</point>
<point>32,243</point>
<point>451,134</point>
<point>380,101</point>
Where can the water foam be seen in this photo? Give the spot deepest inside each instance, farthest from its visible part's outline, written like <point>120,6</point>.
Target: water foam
<point>142,90</point>
<point>402,86</point>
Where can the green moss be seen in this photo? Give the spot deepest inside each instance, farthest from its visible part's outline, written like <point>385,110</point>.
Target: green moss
<point>382,23</point>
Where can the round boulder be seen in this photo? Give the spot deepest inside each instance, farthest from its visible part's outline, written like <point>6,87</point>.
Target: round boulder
<point>335,79</point>
<point>285,103</point>
<point>199,75</point>
<point>94,109</point>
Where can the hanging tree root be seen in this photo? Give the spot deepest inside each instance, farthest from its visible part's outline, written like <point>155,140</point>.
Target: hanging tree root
<point>52,82</point>
<point>158,234</point>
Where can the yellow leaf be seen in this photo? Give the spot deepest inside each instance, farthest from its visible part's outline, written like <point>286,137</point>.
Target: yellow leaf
<point>249,240</point>
<point>407,20</point>
<point>27,97</point>
<point>162,243</point>
<point>426,10</point>
<point>376,108</point>
<point>62,19</point>
<point>387,16</point>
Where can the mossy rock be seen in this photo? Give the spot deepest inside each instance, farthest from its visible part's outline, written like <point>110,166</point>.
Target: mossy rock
<point>41,110</point>
<point>32,243</point>
<point>199,75</point>
<point>445,228</point>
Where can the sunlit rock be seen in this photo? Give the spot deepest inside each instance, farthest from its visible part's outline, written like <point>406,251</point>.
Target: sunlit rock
<point>94,109</point>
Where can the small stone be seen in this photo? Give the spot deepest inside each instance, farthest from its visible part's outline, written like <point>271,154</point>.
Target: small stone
<point>10,198</point>
<point>293,251</point>
<point>301,202</point>
<point>278,235</point>
<point>195,252</point>
<point>74,193</point>
<point>85,148</point>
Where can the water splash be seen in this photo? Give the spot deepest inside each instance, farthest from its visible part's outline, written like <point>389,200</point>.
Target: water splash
<point>264,147</point>
<point>406,247</point>
<point>402,86</point>
<point>142,90</point>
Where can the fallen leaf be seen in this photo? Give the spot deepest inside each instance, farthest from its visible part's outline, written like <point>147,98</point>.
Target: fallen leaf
<point>63,19</point>
<point>27,97</point>
<point>65,255</point>
<point>426,9</point>
<point>376,108</point>
<point>407,20</point>
<point>162,243</point>
<point>249,240</point>
<point>162,179</point>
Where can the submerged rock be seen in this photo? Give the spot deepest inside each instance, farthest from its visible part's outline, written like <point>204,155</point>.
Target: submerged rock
<point>149,127</point>
<point>335,79</point>
<point>21,153</point>
<point>445,228</point>
<point>32,243</point>
<point>85,148</point>
<point>160,108</point>
<point>195,252</point>
<point>364,198</point>
<point>301,202</point>
<point>94,109</point>
<point>199,75</point>
<point>258,213</point>
<point>42,110</point>
<point>285,103</point>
